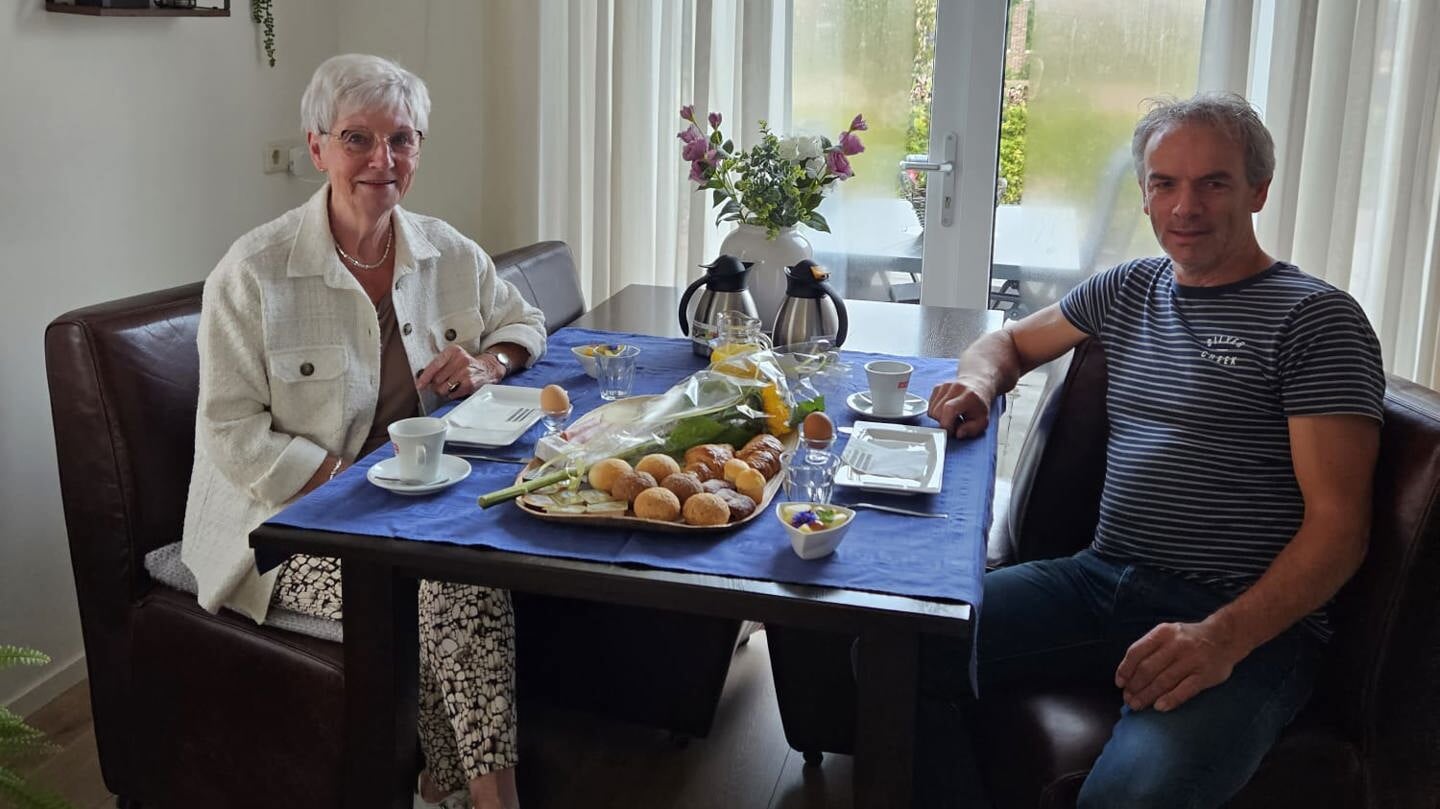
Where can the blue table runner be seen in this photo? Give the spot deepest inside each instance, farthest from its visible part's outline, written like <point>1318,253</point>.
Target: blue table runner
<point>884,553</point>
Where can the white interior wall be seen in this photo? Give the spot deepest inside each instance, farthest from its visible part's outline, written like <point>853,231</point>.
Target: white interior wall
<point>474,57</point>
<point>133,151</point>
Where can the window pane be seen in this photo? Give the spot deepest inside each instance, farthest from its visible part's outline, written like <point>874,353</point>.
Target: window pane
<point>876,58</point>
<point>1076,73</point>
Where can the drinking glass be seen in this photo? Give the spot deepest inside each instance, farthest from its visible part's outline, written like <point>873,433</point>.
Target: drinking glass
<point>809,475</point>
<point>616,371</point>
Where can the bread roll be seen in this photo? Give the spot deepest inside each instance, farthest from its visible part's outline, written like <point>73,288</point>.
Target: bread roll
<point>603,474</point>
<point>658,466</point>
<point>706,509</point>
<point>740,505</point>
<point>716,485</point>
<point>684,484</point>
<point>751,484</point>
<point>657,503</point>
<point>630,484</point>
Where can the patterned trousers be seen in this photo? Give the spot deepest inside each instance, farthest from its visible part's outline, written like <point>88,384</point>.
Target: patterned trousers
<point>467,666</point>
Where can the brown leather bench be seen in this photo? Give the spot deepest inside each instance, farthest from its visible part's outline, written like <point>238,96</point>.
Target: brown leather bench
<point>1370,737</point>
<point>200,710</point>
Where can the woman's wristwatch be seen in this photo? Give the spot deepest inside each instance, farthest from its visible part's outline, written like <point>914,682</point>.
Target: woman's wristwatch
<point>502,358</point>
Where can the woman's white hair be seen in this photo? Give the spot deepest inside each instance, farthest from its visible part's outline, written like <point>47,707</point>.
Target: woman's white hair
<point>360,81</point>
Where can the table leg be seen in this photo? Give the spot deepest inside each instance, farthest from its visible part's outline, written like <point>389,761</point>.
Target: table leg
<point>381,681</point>
<point>887,667</point>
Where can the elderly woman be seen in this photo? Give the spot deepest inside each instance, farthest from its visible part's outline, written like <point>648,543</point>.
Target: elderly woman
<point>317,331</point>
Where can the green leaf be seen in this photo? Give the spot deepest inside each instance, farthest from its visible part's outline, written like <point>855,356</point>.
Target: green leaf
<point>17,656</point>
<point>715,138</point>
<point>728,147</point>
<point>803,409</point>
<point>718,197</point>
<point>16,793</point>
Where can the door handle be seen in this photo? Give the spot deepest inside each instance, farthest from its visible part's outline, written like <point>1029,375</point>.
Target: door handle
<point>922,162</point>
<point>948,166</point>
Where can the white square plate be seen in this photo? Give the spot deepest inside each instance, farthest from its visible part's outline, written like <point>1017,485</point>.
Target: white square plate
<point>931,439</point>
<point>494,416</point>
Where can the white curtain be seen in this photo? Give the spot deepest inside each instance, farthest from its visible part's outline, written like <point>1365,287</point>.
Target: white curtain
<point>592,111</point>
<point>1349,88</point>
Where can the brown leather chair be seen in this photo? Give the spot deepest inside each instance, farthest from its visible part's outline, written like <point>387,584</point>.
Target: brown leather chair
<point>1370,736</point>
<point>192,709</point>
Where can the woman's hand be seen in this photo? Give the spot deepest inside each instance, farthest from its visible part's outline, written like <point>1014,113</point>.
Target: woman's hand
<point>455,374</point>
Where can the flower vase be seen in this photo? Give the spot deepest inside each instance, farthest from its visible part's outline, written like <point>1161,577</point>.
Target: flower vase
<point>766,279</point>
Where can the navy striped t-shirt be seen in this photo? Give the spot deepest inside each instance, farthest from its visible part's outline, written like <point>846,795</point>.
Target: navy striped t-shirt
<point>1199,479</point>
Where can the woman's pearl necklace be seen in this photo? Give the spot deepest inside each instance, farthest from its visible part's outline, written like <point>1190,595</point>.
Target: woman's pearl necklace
<point>362,265</point>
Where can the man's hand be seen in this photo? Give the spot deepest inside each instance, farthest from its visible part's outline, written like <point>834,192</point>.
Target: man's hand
<point>454,374</point>
<point>992,365</point>
<point>1174,662</point>
<point>961,408</point>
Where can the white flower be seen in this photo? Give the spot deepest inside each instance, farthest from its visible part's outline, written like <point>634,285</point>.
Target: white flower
<point>789,149</point>
<point>814,166</point>
<point>811,147</point>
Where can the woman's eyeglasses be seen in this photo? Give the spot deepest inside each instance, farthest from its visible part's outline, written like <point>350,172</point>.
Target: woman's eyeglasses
<point>361,142</point>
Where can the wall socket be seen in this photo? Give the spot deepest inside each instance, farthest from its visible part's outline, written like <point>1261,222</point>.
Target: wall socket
<point>277,157</point>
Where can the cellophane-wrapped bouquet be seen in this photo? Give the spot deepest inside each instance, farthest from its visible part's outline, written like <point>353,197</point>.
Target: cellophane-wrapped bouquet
<point>737,398</point>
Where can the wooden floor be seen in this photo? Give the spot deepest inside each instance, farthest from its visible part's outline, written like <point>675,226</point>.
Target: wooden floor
<point>580,760</point>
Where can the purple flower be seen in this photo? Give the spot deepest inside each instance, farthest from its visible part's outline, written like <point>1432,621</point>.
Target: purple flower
<point>690,134</point>
<point>850,143</point>
<point>688,112</point>
<point>697,172</point>
<point>695,149</point>
<point>715,120</point>
<point>839,165</point>
<point>859,125</point>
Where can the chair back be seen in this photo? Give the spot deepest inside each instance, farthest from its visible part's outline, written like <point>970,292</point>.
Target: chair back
<point>1383,665</point>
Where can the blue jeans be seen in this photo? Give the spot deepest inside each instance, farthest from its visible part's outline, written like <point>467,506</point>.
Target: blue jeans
<point>1071,620</point>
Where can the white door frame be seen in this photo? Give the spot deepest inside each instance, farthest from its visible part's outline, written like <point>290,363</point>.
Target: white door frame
<point>969,77</point>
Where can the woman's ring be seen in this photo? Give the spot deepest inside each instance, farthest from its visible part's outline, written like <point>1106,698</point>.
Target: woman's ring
<point>454,386</point>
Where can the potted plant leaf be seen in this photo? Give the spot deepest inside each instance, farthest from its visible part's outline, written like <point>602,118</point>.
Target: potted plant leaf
<point>19,741</point>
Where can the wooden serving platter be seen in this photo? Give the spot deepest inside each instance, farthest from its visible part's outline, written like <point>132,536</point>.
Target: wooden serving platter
<point>629,520</point>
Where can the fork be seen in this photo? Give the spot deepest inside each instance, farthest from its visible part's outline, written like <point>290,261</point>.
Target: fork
<point>857,459</point>
<point>894,510</point>
<point>521,414</point>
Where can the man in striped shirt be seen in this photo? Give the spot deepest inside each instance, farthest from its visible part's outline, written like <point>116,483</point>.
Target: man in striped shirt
<point>1245,404</point>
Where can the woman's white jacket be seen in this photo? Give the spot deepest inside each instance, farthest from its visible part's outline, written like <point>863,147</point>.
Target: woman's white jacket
<point>290,368</point>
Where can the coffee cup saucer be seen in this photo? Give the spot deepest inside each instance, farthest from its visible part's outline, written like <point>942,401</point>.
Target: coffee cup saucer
<point>859,402</point>
<point>452,471</point>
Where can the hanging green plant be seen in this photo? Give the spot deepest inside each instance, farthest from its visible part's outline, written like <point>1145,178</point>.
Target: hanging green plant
<point>262,14</point>
<point>19,741</point>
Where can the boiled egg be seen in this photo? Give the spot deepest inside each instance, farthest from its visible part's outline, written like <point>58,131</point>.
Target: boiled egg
<point>554,399</point>
<point>818,427</point>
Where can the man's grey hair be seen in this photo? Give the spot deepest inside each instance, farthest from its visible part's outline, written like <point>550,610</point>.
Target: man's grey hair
<point>360,81</point>
<point>1227,112</point>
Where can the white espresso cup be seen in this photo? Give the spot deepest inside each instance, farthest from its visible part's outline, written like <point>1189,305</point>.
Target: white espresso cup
<point>889,380</point>
<point>419,443</point>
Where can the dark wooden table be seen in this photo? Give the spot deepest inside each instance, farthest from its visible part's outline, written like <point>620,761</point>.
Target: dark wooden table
<point>381,575</point>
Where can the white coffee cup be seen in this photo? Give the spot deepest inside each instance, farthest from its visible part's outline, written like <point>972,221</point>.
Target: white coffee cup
<point>889,380</point>
<point>419,444</point>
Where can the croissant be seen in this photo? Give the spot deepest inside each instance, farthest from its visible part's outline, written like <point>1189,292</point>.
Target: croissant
<point>765,462</point>
<point>709,452</point>
<point>707,461</point>
<point>763,441</point>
